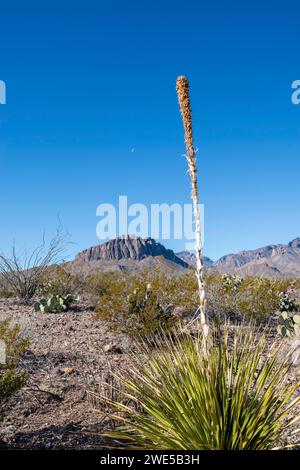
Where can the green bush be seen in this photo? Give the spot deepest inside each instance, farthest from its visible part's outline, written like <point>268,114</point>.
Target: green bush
<point>6,294</point>
<point>256,298</point>
<point>56,281</point>
<point>98,284</point>
<point>124,302</point>
<point>235,397</point>
<point>11,379</point>
<point>142,304</point>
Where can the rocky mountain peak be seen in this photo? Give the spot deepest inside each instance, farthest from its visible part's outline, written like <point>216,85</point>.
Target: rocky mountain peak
<point>295,243</point>
<point>190,258</point>
<point>128,247</point>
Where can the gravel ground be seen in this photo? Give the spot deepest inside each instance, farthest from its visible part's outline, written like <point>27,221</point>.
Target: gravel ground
<point>70,354</point>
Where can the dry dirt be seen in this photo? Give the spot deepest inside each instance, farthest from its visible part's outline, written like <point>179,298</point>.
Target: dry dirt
<point>70,354</point>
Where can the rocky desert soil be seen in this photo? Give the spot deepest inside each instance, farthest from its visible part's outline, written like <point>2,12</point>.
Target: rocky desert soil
<point>70,356</point>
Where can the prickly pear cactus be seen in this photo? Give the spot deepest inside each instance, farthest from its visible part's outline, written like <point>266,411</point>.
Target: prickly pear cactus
<point>233,280</point>
<point>286,303</point>
<point>55,304</point>
<point>289,325</point>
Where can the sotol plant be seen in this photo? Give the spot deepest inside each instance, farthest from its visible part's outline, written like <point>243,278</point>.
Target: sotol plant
<point>237,397</point>
<point>182,86</point>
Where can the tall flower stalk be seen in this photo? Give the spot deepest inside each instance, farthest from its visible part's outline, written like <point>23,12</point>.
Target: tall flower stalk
<point>182,86</point>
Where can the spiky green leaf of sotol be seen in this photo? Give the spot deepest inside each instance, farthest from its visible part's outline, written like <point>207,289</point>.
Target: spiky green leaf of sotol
<point>235,398</point>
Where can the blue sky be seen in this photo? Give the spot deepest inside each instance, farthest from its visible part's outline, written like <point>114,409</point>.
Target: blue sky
<point>89,81</point>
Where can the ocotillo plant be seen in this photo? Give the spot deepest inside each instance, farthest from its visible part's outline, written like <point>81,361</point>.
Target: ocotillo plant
<point>182,86</point>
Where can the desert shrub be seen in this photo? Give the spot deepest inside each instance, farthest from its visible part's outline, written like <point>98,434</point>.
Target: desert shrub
<point>235,397</point>
<point>123,299</point>
<point>223,294</point>
<point>5,291</point>
<point>6,294</point>
<point>22,273</point>
<point>56,281</point>
<point>11,379</point>
<point>98,284</point>
<point>258,297</point>
<point>231,296</point>
<point>143,303</point>
<point>145,314</point>
<point>220,295</point>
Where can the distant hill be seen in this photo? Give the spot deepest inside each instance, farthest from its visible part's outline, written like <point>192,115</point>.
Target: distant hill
<point>272,261</point>
<point>190,258</point>
<point>130,253</point>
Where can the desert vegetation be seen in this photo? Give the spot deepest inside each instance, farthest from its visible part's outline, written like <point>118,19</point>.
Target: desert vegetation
<point>204,391</point>
<point>12,347</point>
<point>128,301</point>
<point>237,397</point>
<point>89,348</point>
<point>20,274</point>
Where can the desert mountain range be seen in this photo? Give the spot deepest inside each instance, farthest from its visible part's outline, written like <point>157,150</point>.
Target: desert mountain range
<point>130,252</point>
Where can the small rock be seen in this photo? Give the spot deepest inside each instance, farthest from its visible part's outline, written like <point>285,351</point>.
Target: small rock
<point>68,370</point>
<point>296,353</point>
<point>111,348</point>
<point>2,352</point>
<point>8,431</point>
<point>82,395</point>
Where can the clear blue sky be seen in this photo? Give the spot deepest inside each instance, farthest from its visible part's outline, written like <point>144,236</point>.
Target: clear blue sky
<point>88,81</point>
